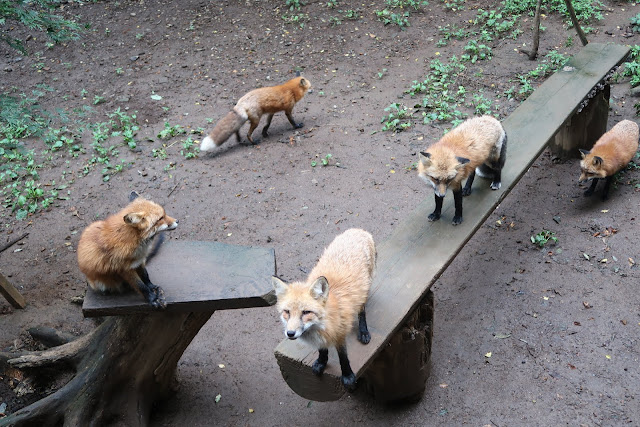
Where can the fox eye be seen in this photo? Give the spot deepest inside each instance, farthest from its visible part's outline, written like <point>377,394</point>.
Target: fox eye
<point>305,312</point>
<point>286,312</point>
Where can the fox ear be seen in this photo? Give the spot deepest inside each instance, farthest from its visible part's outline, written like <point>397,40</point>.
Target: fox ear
<point>584,152</point>
<point>597,161</point>
<point>425,158</point>
<point>320,288</point>
<point>303,82</point>
<point>279,286</point>
<point>133,218</point>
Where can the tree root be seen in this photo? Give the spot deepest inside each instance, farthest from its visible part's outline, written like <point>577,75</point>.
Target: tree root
<point>122,367</point>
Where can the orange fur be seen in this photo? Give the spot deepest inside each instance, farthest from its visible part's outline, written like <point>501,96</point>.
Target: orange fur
<point>611,153</point>
<point>114,251</point>
<point>253,105</point>
<point>347,264</point>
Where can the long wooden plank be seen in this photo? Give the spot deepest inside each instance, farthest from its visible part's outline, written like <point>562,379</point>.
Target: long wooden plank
<point>418,251</point>
<point>11,293</point>
<point>198,276</point>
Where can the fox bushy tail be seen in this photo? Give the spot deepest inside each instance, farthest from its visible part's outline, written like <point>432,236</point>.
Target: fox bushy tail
<point>227,126</point>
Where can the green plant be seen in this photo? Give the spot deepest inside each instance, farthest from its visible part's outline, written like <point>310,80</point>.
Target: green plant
<point>324,161</point>
<point>170,131</point>
<point>543,237</point>
<point>36,15</point>
<point>300,19</point>
<point>190,149</point>
<point>381,73</point>
<point>294,4</point>
<point>398,118</point>
<point>475,51</point>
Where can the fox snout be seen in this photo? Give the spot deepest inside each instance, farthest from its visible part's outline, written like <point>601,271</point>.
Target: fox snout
<point>583,178</point>
<point>292,335</point>
<point>440,190</point>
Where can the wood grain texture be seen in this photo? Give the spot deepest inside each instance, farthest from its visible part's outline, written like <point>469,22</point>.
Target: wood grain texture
<point>197,276</point>
<point>418,251</point>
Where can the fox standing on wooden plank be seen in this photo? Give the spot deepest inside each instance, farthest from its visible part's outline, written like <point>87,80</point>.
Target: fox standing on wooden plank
<point>323,310</point>
<point>611,153</point>
<point>266,100</point>
<point>113,252</point>
<point>477,145</point>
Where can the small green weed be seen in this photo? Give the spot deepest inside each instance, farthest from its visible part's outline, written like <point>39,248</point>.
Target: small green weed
<point>398,118</point>
<point>170,131</point>
<point>323,161</point>
<point>544,237</point>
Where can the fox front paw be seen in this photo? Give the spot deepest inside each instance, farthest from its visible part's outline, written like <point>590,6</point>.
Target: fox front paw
<point>299,125</point>
<point>364,337</point>
<point>496,185</point>
<point>318,367</point>
<point>433,216</point>
<point>457,220</point>
<point>349,381</point>
<point>157,300</point>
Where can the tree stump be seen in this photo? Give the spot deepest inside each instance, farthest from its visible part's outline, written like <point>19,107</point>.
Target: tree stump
<point>122,367</point>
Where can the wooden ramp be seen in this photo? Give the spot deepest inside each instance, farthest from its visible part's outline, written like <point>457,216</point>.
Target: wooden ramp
<point>418,251</point>
<point>197,276</point>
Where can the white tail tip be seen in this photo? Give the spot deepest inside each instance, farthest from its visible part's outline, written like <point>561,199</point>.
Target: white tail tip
<point>207,144</point>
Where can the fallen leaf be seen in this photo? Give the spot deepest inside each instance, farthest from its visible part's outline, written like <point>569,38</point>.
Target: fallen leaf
<point>585,256</point>
<point>443,385</point>
<point>604,210</point>
<point>607,356</point>
<point>487,355</point>
<point>604,260</point>
<point>221,366</point>
<point>251,411</point>
<point>624,322</point>
<point>586,304</point>
<point>218,397</point>
<point>577,323</point>
<point>571,366</point>
<point>503,336</point>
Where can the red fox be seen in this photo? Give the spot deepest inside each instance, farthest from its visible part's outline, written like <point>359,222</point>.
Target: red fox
<point>266,100</point>
<point>612,152</point>
<point>323,309</point>
<point>114,252</point>
<point>477,145</point>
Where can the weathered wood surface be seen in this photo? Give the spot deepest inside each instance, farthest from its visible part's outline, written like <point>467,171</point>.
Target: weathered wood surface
<point>11,293</point>
<point>197,276</point>
<point>418,251</point>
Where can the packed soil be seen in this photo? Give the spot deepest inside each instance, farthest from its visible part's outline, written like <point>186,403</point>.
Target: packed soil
<point>522,335</point>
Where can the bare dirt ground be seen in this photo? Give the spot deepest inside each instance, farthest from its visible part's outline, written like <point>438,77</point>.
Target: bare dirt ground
<point>562,330</point>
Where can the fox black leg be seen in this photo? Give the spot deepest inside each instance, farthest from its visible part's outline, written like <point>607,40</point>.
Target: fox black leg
<point>467,187</point>
<point>497,179</point>
<point>605,190</point>
<point>457,199</point>
<point>592,188</point>
<point>292,121</point>
<point>435,215</point>
<point>152,293</point>
<point>348,377</point>
<point>363,332</point>
<point>321,363</point>
<point>265,129</point>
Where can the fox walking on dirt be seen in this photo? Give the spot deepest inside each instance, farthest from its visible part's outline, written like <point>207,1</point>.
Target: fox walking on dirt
<point>610,154</point>
<point>323,309</point>
<point>266,100</point>
<point>113,252</point>
<point>477,145</point>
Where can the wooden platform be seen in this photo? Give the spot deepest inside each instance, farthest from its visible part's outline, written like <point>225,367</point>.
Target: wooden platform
<point>418,251</point>
<point>197,276</point>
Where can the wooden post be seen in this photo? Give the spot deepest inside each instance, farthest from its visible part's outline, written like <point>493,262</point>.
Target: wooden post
<point>583,129</point>
<point>401,370</point>
<point>11,293</point>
